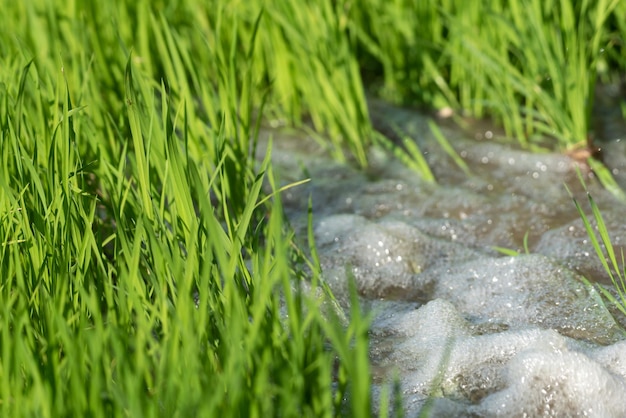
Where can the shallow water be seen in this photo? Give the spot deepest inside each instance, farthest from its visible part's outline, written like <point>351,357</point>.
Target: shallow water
<point>469,331</point>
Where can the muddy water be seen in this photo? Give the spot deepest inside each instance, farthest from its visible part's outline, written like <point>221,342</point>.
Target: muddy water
<point>468,330</point>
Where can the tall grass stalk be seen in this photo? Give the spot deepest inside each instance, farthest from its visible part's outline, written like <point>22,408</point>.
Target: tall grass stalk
<point>612,263</point>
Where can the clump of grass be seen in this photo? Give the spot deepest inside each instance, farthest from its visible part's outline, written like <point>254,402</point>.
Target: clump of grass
<point>399,46</point>
<point>309,59</point>
<point>144,271</point>
<point>531,65</point>
<point>538,58</point>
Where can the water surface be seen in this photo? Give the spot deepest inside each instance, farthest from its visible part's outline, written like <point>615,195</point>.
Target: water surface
<point>468,330</point>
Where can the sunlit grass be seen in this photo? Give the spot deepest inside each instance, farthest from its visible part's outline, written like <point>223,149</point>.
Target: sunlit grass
<point>612,262</point>
<point>531,65</point>
<point>145,272</point>
<point>146,266</point>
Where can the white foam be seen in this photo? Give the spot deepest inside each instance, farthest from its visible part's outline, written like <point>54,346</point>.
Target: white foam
<point>527,372</point>
<point>548,383</point>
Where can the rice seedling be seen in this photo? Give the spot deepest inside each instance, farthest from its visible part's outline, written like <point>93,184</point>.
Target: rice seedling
<point>146,265</point>
<point>309,59</point>
<point>612,263</point>
<point>447,147</point>
<point>145,272</point>
<point>511,252</point>
<point>531,65</point>
<point>409,154</point>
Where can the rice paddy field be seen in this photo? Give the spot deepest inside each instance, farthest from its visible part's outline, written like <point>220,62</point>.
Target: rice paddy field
<point>148,263</point>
